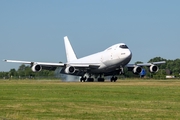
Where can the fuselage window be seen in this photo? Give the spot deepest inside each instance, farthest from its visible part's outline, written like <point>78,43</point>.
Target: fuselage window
<point>123,46</point>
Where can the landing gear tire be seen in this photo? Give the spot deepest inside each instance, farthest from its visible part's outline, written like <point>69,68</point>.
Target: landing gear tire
<point>82,79</point>
<point>100,79</point>
<point>113,79</point>
<point>90,80</point>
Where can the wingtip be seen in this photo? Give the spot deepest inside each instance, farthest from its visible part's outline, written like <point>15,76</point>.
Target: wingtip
<point>66,38</point>
<point>5,60</point>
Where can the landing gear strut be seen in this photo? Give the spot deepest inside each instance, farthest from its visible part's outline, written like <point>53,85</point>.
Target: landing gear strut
<point>82,79</point>
<point>113,79</point>
<point>90,80</point>
<point>100,79</point>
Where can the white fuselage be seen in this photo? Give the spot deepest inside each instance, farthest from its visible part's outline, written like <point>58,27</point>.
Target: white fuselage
<point>109,59</point>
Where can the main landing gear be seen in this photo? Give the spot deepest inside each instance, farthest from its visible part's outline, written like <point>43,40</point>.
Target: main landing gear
<point>113,79</point>
<point>84,79</point>
<point>90,80</point>
<point>100,79</point>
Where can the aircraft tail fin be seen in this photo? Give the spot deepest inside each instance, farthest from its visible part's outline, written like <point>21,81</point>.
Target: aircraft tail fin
<point>69,50</point>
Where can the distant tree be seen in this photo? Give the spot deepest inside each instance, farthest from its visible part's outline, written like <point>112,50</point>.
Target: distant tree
<point>4,75</point>
<point>12,73</point>
<point>173,65</point>
<point>157,59</point>
<point>22,67</point>
<point>21,71</point>
<point>138,62</point>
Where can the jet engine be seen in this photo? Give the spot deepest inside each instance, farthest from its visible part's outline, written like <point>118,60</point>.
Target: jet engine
<point>70,70</point>
<point>36,68</point>
<point>153,68</point>
<point>137,70</point>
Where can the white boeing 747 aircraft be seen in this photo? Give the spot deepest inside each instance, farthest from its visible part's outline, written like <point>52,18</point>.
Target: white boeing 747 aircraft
<point>109,62</point>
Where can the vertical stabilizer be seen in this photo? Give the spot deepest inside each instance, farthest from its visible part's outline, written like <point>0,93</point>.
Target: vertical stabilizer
<point>69,50</point>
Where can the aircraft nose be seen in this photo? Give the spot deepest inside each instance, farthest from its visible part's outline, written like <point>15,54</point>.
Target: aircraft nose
<point>126,54</point>
<point>129,54</point>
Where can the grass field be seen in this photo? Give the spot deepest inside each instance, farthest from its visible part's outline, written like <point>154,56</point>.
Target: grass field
<point>56,100</point>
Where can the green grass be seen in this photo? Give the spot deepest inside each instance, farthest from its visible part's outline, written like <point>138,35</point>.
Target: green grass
<point>53,100</point>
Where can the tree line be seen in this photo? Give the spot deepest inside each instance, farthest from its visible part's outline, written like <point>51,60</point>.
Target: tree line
<point>171,67</point>
<point>25,72</point>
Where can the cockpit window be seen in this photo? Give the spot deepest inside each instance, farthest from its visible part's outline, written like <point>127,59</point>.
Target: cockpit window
<point>123,46</point>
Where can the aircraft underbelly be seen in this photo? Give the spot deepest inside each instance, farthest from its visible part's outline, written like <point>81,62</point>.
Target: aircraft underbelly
<point>111,65</point>
<point>108,66</point>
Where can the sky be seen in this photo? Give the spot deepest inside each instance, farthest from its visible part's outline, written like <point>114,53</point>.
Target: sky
<point>33,30</point>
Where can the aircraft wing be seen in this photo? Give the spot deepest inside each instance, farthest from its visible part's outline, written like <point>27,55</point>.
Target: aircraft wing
<point>137,68</point>
<point>78,69</point>
<point>53,66</point>
<point>44,65</point>
<point>145,64</point>
<point>37,63</point>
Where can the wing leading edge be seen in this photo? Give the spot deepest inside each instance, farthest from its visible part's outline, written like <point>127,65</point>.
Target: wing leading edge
<point>145,64</point>
<point>137,68</point>
<point>37,63</point>
<point>77,66</point>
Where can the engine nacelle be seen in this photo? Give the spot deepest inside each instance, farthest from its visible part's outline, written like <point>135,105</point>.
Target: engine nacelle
<point>153,68</point>
<point>70,70</point>
<point>137,70</point>
<point>36,68</point>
